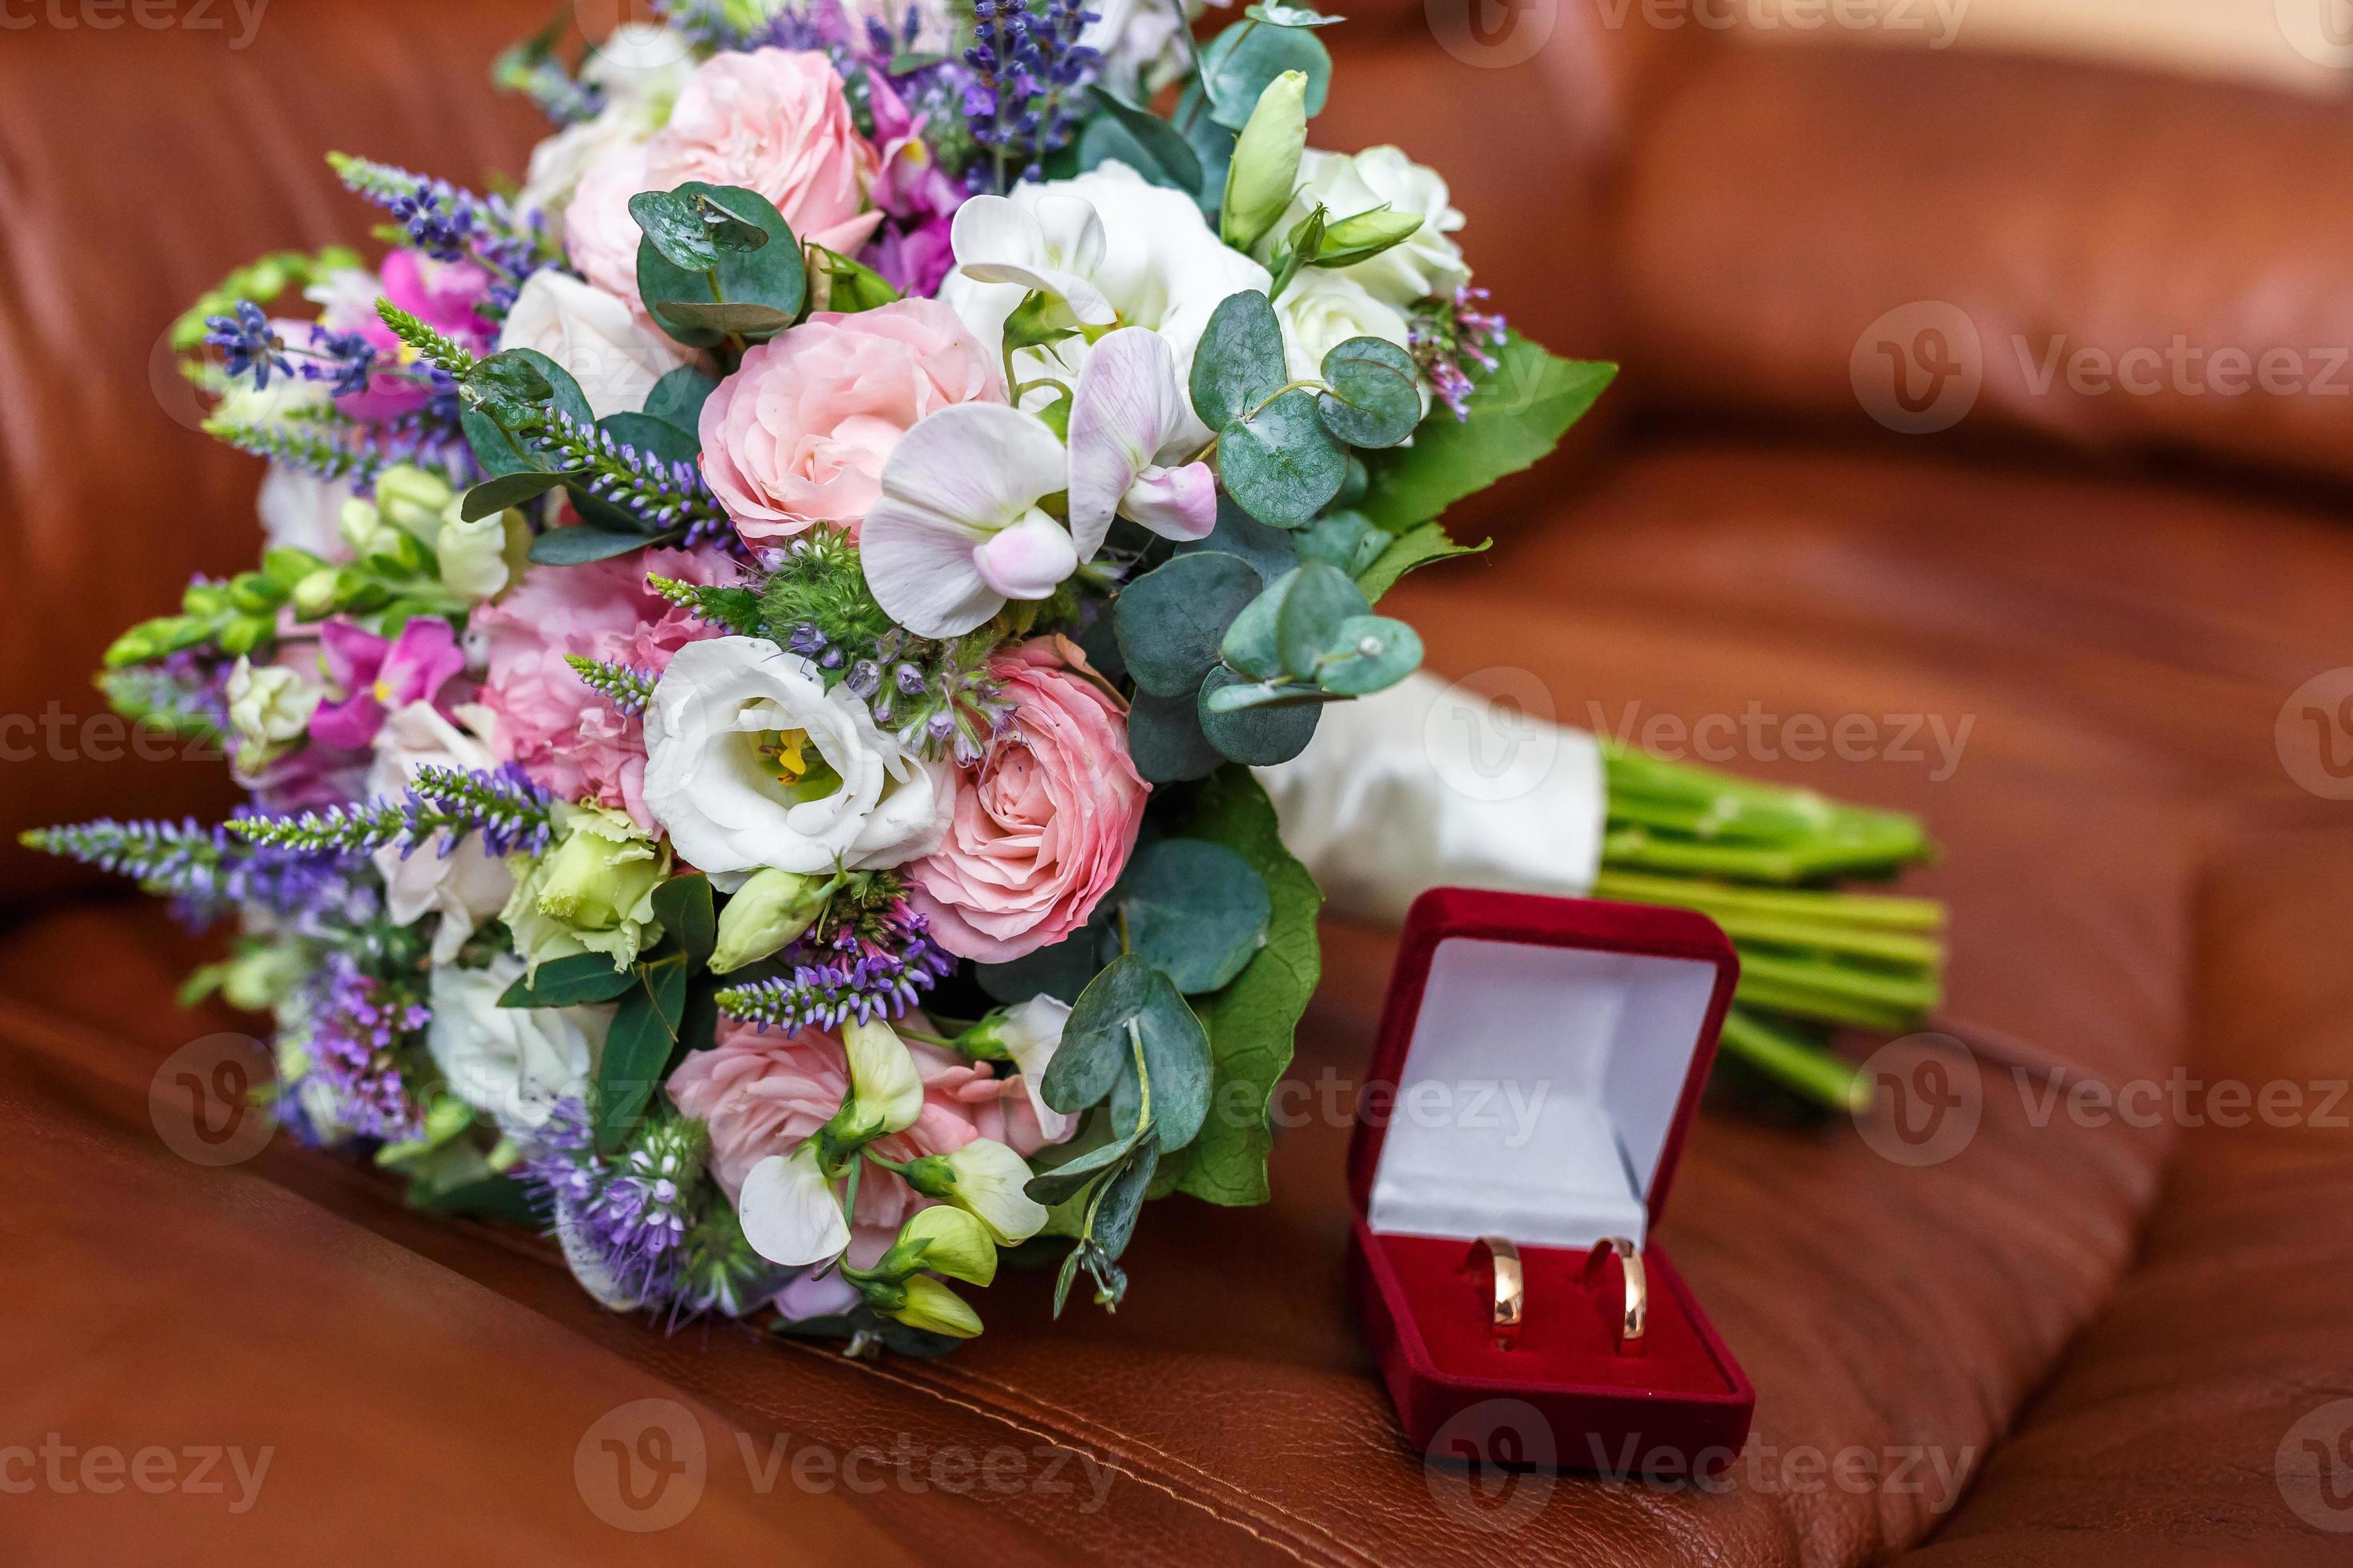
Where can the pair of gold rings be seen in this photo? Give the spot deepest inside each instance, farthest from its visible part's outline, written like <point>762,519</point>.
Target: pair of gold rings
<point>1511,1288</point>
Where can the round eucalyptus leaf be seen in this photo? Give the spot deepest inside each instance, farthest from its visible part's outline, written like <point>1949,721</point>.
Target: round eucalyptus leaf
<point>1196,909</point>
<point>1237,63</point>
<point>678,398</point>
<point>1321,598</point>
<point>1165,739</point>
<point>773,275</point>
<point>1273,551</point>
<point>740,317</point>
<point>1239,364</point>
<point>1263,694</point>
<point>1373,398</point>
<point>1176,1055</point>
<point>1376,653</point>
<point>676,229</point>
<point>1260,737</point>
<point>1059,969</point>
<point>1344,539</point>
<point>1280,463</point>
<point>1249,643</point>
<point>1169,619</point>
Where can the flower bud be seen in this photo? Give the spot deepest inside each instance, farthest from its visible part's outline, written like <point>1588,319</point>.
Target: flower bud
<point>922,1302</point>
<point>1266,168</point>
<point>319,593</point>
<point>883,1081</point>
<point>411,499</point>
<point>359,522</point>
<point>986,1180</point>
<point>945,1241</point>
<point>1364,236</point>
<point>771,910</point>
<point>473,555</point>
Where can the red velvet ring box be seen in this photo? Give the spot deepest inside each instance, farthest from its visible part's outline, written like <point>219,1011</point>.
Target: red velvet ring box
<point>1538,1063</point>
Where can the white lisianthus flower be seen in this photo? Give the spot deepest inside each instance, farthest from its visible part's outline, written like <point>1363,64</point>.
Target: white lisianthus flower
<point>752,763</point>
<point>1323,308</point>
<point>1428,262</point>
<point>511,1063</point>
<point>606,346</point>
<point>465,886</point>
<point>788,1211</point>
<point>1116,248</point>
<point>640,68</point>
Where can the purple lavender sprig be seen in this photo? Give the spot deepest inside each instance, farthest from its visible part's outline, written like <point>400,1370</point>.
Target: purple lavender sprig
<point>660,493</point>
<point>625,688</point>
<point>1450,333</point>
<point>249,344</point>
<point>451,224</point>
<point>871,969</point>
<point>327,456</point>
<point>205,868</point>
<point>1028,68</point>
<point>504,806</point>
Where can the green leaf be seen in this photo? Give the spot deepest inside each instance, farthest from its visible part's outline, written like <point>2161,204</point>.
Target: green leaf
<point>496,494</point>
<point>1165,739</point>
<point>1239,63</point>
<point>678,398</point>
<point>1415,547</point>
<point>1373,398</point>
<point>1263,694</point>
<point>1518,413</point>
<point>1155,137</point>
<point>517,373</point>
<point>646,1028</point>
<point>578,545</point>
<point>1196,909</point>
<point>655,437</point>
<point>720,317</point>
<point>1122,1200</point>
<point>1249,643</point>
<point>495,449</point>
<point>1318,600</point>
<point>1060,970</point>
<point>1344,539</point>
<point>1095,1049</point>
<point>1271,551</point>
<point>1169,620</point>
<point>1176,1056</point>
<point>675,229</point>
<point>584,978</point>
<point>1376,653</point>
<point>1211,142</point>
<point>1252,1020</point>
<point>1260,737</point>
<point>1365,234</point>
<point>1278,463</point>
<point>684,907</point>
<point>1067,1180</point>
<point>1239,362</point>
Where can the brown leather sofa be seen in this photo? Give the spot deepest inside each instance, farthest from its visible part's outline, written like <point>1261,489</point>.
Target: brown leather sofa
<point>2111,1326</point>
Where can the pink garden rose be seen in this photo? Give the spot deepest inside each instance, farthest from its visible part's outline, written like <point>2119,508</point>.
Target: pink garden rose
<point>542,715</point>
<point>771,121</point>
<point>1044,821</point>
<point>761,1094</point>
<point>799,434</point>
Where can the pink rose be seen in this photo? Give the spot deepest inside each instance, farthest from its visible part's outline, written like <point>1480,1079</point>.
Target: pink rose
<point>799,434</point>
<point>599,235</point>
<point>775,121</point>
<point>565,736</point>
<point>761,1094</point>
<point>1045,822</point>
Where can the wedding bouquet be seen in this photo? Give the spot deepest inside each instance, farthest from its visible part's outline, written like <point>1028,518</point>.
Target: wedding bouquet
<point>750,699</point>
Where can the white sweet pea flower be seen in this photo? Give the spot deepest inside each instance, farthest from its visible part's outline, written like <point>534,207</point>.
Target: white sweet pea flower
<point>752,763</point>
<point>1032,1032</point>
<point>512,1063</point>
<point>1427,263</point>
<point>958,531</point>
<point>1128,421</point>
<point>1148,256</point>
<point>465,886</point>
<point>789,1213</point>
<point>610,351</point>
<point>987,1181</point>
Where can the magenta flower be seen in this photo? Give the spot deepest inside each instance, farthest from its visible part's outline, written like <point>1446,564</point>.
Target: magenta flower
<point>445,294</point>
<point>377,676</point>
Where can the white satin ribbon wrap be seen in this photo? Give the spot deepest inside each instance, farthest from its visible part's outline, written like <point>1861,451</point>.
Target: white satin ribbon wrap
<point>1429,784</point>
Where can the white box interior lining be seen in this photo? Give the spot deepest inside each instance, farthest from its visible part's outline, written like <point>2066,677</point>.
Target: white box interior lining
<point>1538,1092</point>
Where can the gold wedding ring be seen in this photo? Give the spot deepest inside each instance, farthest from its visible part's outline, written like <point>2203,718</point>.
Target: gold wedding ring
<point>1634,1305</point>
<point>1511,1284</point>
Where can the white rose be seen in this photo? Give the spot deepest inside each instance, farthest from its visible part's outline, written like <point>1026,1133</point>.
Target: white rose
<point>1156,261</point>
<point>640,68</point>
<point>1321,309</point>
<point>1425,264</point>
<point>513,1063</point>
<point>752,763</point>
<point>609,351</point>
<point>302,511</point>
<point>465,886</point>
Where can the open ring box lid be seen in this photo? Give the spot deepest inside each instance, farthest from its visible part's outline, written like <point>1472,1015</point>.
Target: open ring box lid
<point>1538,1063</point>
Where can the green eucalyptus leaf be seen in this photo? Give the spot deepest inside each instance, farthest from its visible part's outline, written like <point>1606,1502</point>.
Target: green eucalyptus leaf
<point>1165,739</point>
<point>1061,1182</point>
<point>1239,62</point>
<point>1212,144</point>
<point>1167,151</point>
<point>1059,969</point>
<point>1260,737</point>
<point>1249,644</point>
<point>1239,362</point>
<point>1176,1056</point>
<point>675,229</point>
<point>495,448</point>
<point>773,276</point>
<point>1095,1050</point>
<point>1261,694</point>
<point>496,494</point>
<point>1372,395</point>
<point>1123,1199</point>
<point>655,437</point>
<point>678,398</point>
<point>1271,552</point>
<point>720,317</point>
<point>1320,598</point>
<point>1280,463</point>
<point>1196,909</point>
<point>1344,539</point>
<point>582,978</point>
<point>578,545</point>
<point>1375,653</point>
<point>1517,414</point>
<point>1169,620</point>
